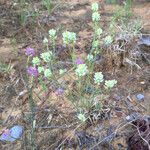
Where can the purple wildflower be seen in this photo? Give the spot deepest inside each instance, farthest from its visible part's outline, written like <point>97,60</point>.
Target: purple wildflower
<point>79,61</point>
<point>59,91</point>
<point>33,71</point>
<point>30,52</point>
<point>6,133</point>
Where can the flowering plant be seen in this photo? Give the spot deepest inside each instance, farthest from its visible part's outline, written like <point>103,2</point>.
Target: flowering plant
<point>86,83</point>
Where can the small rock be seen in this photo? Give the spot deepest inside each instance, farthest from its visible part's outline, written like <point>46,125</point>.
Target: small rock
<point>145,40</point>
<point>133,116</point>
<point>128,118</point>
<point>12,134</point>
<point>116,97</point>
<point>140,97</point>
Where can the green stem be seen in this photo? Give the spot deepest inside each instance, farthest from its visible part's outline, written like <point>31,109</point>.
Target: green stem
<point>32,117</point>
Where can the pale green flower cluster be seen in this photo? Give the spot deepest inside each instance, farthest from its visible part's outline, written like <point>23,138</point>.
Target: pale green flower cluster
<point>36,61</point>
<point>90,57</point>
<point>62,71</point>
<point>81,70</point>
<point>98,78</point>
<point>95,44</point>
<point>52,34</point>
<point>47,73</point>
<point>109,84</point>
<point>95,16</point>
<point>47,56</point>
<point>40,69</point>
<point>81,117</point>
<point>95,7</point>
<point>45,40</point>
<point>99,31</point>
<point>69,37</point>
<point>108,40</point>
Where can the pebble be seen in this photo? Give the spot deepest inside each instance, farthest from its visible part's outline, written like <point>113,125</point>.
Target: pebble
<point>133,116</point>
<point>140,97</point>
<point>145,41</point>
<point>12,134</point>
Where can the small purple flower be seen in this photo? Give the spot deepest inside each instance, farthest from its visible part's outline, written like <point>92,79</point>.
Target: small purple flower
<point>79,61</point>
<point>6,133</point>
<point>30,52</point>
<point>33,71</point>
<point>59,91</point>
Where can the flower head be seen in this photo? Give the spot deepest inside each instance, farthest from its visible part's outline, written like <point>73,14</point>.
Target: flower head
<point>47,73</point>
<point>81,117</point>
<point>46,56</point>
<point>95,6</point>
<point>90,57</point>
<point>81,70</point>
<point>108,40</point>
<point>69,37</point>
<point>30,52</point>
<point>59,91</point>
<point>45,40</point>
<point>98,77</point>
<point>33,71</point>
<point>52,33</point>
<point>99,31</point>
<point>95,16</point>
<point>36,61</point>
<point>95,43</point>
<point>40,69</point>
<point>110,84</point>
<point>62,71</point>
<point>79,61</point>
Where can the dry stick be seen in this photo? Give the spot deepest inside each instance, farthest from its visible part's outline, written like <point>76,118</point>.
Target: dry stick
<point>118,128</point>
<point>114,133</point>
<point>141,136</point>
<point>67,137</point>
<point>56,127</point>
<point>12,108</point>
